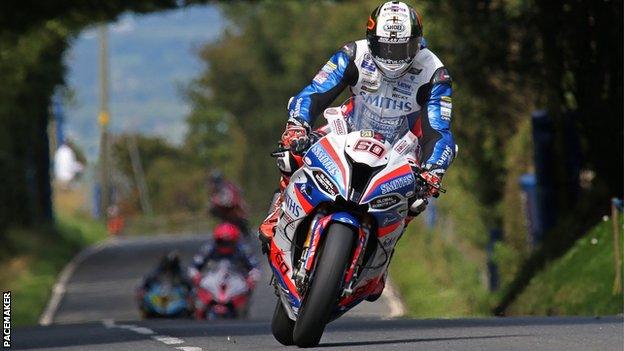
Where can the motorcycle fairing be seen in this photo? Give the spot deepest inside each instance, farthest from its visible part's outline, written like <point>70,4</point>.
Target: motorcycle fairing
<point>399,180</point>
<point>281,272</point>
<point>323,156</point>
<point>166,301</point>
<point>367,147</point>
<point>222,289</point>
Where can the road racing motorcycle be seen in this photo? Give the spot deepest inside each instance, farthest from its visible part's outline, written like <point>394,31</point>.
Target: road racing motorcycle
<point>223,292</point>
<point>342,214</point>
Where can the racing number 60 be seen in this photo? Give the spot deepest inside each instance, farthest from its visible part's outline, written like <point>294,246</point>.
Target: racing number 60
<point>367,145</point>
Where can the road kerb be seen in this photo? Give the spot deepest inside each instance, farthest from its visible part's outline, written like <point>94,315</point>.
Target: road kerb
<point>59,288</point>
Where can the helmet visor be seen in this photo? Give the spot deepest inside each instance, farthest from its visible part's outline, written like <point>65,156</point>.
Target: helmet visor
<point>394,52</point>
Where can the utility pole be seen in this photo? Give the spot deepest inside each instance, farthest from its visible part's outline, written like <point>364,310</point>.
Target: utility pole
<point>103,120</point>
<point>139,175</point>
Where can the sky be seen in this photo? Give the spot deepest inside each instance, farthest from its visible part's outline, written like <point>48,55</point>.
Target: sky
<point>152,57</point>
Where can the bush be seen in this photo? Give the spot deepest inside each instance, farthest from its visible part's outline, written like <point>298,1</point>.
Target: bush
<point>37,256</point>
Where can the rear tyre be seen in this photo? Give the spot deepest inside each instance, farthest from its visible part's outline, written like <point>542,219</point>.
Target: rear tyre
<point>282,326</point>
<point>325,287</point>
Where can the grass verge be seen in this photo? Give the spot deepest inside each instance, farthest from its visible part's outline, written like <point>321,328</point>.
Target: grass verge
<point>435,279</point>
<point>578,283</point>
<point>33,259</point>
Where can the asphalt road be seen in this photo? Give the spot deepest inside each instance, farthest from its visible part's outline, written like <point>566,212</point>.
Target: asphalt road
<point>98,312</point>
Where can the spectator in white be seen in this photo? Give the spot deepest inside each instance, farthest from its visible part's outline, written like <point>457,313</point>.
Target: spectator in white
<point>66,166</point>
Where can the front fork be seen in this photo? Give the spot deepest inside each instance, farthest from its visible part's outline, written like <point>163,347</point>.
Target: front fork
<point>318,227</point>
<point>357,260</point>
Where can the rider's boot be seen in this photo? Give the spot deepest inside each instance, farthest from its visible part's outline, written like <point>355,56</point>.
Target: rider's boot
<point>267,228</point>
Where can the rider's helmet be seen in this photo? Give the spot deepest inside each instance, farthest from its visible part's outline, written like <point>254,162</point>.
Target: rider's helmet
<point>226,236</point>
<point>216,177</point>
<point>170,263</point>
<point>394,33</point>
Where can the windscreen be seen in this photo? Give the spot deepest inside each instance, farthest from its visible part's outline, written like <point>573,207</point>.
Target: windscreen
<point>370,114</point>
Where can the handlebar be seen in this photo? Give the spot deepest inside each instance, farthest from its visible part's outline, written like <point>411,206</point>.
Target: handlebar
<point>278,152</point>
<point>281,149</point>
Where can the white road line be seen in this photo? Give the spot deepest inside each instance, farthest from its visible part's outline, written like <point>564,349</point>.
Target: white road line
<point>169,340</point>
<point>108,323</point>
<point>126,326</point>
<point>393,300</point>
<point>60,286</point>
<point>165,339</point>
<point>143,330</point>
<point>132,327</point>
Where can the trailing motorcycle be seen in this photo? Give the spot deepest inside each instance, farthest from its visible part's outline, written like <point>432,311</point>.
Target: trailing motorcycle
<point>342,214</point>
<point>223,292</point>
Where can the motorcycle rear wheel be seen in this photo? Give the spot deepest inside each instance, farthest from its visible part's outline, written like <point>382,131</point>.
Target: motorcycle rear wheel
<point>325,286</point>
<point>282,326</point>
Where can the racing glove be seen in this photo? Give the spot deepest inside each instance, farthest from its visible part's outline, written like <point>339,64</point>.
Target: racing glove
<point>428,185</point>
<point>431,183</point>
<point>296,137</point>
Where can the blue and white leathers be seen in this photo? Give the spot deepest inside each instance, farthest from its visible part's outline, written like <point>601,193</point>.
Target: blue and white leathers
<point>423,95</point>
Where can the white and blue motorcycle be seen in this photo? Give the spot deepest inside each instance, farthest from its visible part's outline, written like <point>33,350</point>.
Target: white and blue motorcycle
<point>342,214</point>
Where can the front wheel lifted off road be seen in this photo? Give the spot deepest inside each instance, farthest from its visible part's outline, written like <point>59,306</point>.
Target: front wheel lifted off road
<point>282,326</point>
<point>325,286</point>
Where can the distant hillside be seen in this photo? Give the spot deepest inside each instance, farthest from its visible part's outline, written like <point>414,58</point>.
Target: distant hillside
<point>151,57</point>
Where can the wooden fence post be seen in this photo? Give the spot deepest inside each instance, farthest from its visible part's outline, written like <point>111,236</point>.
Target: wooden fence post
<point>617,282</point>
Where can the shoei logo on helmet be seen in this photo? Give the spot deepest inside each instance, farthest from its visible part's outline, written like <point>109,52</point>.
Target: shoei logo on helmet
<point>394,27</point>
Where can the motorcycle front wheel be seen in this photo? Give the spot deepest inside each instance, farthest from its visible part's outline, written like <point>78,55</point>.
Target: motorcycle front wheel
<point>325,287</point>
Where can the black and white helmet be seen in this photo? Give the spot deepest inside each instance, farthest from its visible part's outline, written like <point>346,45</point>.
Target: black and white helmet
<point>394,32</point>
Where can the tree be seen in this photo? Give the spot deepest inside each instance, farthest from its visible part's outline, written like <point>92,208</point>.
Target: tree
<point>33,38</point>
<point>214,140</point>
<point>174,180</point>
<point>267,54</point>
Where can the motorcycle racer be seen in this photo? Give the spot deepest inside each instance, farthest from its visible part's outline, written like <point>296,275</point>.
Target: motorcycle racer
<point>226,202</point>
<point>226,244</point>
<point>391,69</point>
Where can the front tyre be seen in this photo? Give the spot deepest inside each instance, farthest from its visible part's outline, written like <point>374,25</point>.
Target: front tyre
<point>282,326</point>
<point>325,286</point>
